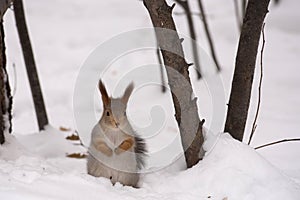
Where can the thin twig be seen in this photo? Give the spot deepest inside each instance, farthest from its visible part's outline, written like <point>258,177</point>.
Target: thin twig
<point>237,15</point>
<point>161,67</point>
<point>277,142</point>
<point>185,5</point>
<point>276,2</point>
<point>260,83</point>
<point>208,35</point>
<point>80,141</point>
<point>244,5</point>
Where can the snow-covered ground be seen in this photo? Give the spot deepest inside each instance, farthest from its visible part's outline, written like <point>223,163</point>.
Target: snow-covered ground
<point>64,33</point>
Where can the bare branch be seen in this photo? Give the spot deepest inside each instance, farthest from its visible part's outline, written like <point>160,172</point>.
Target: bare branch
<point>161,67</point>
<point>80,141</point>
<point>208,35</point>
<point>277,142</point>
<point>237,15</point>
<point>244,5</point>
<point>185,5</point>
<point>260,83</point>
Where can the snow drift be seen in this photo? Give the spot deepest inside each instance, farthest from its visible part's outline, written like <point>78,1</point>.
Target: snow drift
<point>230,170</point>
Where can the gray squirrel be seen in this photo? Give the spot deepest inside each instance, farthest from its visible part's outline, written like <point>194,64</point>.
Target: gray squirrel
<point>116,152</point>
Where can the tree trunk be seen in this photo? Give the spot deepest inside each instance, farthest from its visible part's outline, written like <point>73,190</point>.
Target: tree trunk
<point>30,65</point>
<point>185,5</point>
<point>244,68</point>
<point>186,111</point>
<point>2,87</point>
<point>208,35</point>
<point>5,97</point>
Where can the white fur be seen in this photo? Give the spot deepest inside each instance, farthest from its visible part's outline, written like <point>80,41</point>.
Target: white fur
<point>119,168</point>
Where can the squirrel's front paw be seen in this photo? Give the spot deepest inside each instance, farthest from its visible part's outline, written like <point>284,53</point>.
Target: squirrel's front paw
<point>102,147</point>
<point>124,146</point>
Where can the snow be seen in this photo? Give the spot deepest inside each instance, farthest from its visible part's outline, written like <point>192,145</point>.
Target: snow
<point>230,169</point>
<point>34,165</point>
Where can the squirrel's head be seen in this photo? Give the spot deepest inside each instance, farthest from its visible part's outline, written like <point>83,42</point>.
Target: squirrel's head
<point>114,109</point>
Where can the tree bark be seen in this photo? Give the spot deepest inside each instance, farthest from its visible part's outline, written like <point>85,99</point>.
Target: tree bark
<point>244,68</point>
<point>30,65</point>
<point>186,111</point>
<point>4,5</point>
<point>5,96</point>
<point>2,88</point>
<point>208,35</point>
<point>185,5</point>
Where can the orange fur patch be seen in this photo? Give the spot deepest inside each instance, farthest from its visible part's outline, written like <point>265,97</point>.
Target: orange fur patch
<point>102,147</point>
<point>124,146</point>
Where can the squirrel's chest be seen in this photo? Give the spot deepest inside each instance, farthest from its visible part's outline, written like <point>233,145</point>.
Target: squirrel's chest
<point>114,138</point>
<point>115,149</point>
<point>113,143</point>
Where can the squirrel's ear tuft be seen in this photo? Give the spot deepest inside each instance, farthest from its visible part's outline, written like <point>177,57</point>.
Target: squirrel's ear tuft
<point>104,95</point>
<point>127,93</point>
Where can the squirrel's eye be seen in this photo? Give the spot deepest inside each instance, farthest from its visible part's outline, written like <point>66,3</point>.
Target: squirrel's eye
<point>107,113</point>
<point>125,113</point>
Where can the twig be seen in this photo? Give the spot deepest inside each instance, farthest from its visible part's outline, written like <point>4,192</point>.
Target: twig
<point>185,5</point>
<point>277,142</point>
<point>80,141</point>
<point>237,15</point>
<point>276,2</point>
<point>162,77</point>
<point>76,155</point>
<point>260,82</point>
<point>244,5</point>
<point>208,35</point>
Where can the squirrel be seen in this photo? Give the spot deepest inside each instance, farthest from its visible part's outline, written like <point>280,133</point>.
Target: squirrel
<point>116,152</point>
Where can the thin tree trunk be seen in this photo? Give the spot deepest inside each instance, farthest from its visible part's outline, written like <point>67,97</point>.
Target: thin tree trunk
<point>185,5</point>
<point>186,111</point>
<point>5,96</point>
<point>208,35</point>
<point>244,68</point>
<point>30,65</point>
